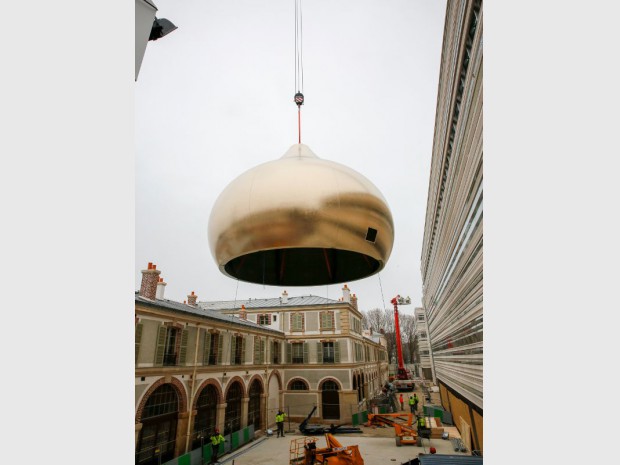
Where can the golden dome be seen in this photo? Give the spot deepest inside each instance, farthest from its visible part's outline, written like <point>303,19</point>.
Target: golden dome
<point>300,221</point>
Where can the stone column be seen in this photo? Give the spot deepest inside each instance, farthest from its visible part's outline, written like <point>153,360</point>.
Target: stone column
<point>264,421</point>
<point>190,433</point>
<point>138,429</point>
<point>220,417</point>
<point>244,411</point>
<point>184,418</point>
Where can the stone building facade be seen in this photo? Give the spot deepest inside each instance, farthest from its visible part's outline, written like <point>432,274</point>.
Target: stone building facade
<point>198,368</point>
<point>328,360</point>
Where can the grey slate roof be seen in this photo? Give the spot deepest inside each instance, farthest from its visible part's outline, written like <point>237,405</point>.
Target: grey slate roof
<point>303,301</point>
<point>206,313</point>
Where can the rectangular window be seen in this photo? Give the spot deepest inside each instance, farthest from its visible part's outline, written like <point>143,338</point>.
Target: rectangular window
<point>298,353</point>
<point>420,317</point>
<point>275,353</point>
<point>237,346</point>
<point>359,352</point>
<point>297,322</point>
<point>138,338</point>
<point>214,349</point>
<point>171,346</point>
<point>327,320</point>
<point>328,352</point>
<point>264,319</point>
<point>170,351</point>
<point>259,350</point>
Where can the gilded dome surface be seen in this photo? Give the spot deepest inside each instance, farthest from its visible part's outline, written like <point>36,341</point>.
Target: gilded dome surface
<point>300,221</point>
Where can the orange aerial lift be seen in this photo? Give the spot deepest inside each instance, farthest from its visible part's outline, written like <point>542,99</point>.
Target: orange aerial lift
<point>403,430</point>
<point>303,451</point>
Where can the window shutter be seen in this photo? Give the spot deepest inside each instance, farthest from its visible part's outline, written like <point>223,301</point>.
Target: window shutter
<point>305,352</point>
<point>243,350</point>
<point>207,346</point>
<point>233,347</point>
<point>263,355</point>
<point>138,339</point>
<point>337,352</point>
<point>272,350</point>
<point>256,350</point>
<point>319,352</point>
<point>161,345</point>
<point>297,322</point>
<point>220,347</point>
<point>183,348</point>
<point>289,350</point>
<point>327,320</point>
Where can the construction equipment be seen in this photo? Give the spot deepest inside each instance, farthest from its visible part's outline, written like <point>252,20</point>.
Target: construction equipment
<point>307,429</point>
<point>403,429</point>
<point>304,451</point>
<point>404,378</point>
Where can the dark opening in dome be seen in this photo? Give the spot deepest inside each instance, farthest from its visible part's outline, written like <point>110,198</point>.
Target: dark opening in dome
<point>302,267</point>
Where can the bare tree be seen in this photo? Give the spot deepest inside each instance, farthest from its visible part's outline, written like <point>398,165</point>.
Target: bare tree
<point>374,319</point>
<point>390,333</point>
<point>407,332</point>
<point>382,321</point>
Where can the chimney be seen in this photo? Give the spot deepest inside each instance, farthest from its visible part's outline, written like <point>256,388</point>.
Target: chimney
<point>242,313</point>
<point>354,301</point>
<point>161,286</point>
<point>346,294</point>
<point>284,297</point>
<point>191,299</point>
<point>150,278</point>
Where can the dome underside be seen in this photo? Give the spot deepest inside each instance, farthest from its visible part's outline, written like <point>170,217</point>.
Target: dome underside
<point>302,267</point>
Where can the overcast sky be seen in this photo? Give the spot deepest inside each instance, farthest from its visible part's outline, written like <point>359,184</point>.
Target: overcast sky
<point>215,98</point>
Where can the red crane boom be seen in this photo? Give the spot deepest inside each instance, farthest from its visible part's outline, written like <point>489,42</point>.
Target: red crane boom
<point>402,372</point>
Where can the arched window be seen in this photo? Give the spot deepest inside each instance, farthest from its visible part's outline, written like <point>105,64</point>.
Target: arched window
<point>298,385</point>
<point>159,422</point>
<point>232,420</point>
<point>254,404</point>
<point>330,401</point>
<point>206,407</point>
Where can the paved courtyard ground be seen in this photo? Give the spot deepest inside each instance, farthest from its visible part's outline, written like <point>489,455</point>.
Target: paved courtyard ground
<point>374,450</point>
<point>376,445</point>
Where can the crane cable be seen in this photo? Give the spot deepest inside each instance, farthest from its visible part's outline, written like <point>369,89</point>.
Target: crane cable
<point>299,67</point>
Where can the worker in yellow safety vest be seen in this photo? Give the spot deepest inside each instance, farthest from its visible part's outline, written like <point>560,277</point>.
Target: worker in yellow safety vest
<point>411,404</point>
<point>280,423</point>
<point>421,423</point>
<point>216,440</point>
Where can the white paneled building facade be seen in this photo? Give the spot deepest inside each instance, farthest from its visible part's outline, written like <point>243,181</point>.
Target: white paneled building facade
<point>451,261</point>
